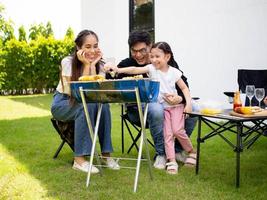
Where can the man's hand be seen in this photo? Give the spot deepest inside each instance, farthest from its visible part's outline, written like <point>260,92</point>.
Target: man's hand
<point>172,99</point>
<point>265,100</point>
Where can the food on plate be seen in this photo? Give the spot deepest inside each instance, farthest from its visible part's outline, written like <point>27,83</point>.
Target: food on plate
<point>92,78</point>
<point>248,110</point>
<point>133,77</point>
<point>210,111</point>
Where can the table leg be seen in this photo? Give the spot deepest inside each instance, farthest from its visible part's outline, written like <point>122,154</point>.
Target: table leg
<point>238,150</point>
<point>198,144</point>
<point>142,139</point>
<point>92,133</point>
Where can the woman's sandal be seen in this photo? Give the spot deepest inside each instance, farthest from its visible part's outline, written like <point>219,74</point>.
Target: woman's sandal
<point>190,161</point>
<point>172,167</point>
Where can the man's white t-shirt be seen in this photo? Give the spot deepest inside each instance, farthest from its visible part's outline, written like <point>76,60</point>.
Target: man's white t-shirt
<point>167,81</point>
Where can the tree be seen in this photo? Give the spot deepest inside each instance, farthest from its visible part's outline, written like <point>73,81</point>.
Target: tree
<point>22,34</point>
<point>6,27</point>
<point>49,31</point>
<point>69,34</point>
<point>37,30</point>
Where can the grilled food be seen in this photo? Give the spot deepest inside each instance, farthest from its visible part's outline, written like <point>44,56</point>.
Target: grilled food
<point>92,78</point>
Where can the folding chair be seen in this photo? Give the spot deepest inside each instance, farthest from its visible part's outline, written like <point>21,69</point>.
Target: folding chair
<point>131,126</point>
<point>66,132</point>
<point>257,78</point>
<point>252,77</point>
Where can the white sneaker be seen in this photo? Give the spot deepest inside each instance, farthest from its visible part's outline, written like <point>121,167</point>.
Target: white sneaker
<point>180,157</point>
<point>160,162</point>
<point>85,167</point>
<point>111,163</point>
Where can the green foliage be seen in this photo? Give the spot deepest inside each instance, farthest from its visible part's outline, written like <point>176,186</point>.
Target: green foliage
<point>49,31</point>
<point>6,27</point>
<point>69,34</point>
<point>37,30</point>
<point>22,34</point>
<point>32,65</point>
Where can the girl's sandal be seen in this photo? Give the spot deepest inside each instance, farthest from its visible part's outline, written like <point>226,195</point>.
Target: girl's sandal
<point>191,160</point>
<point>172,167</point>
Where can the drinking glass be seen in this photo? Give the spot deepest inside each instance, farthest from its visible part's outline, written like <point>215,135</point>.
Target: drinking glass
<point>259,94</point>
<point>250,92</point>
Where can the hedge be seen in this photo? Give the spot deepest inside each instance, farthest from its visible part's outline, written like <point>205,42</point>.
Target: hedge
<point>32,67</point>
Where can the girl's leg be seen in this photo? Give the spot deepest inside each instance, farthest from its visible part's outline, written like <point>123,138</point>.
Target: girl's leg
<point>177,121</point>
<point>168,135</point>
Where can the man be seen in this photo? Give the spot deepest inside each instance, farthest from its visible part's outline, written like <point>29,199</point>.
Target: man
<point>140,45</point>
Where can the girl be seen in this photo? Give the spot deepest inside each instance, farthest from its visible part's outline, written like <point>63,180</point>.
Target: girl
<point>85,60</point>
<point>161,56</point>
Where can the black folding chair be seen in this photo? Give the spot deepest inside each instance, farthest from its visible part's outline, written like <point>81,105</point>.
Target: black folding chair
<point>252,77</point>
<point>131,126</point>
<point>66,133</point>
<point>258,78</point>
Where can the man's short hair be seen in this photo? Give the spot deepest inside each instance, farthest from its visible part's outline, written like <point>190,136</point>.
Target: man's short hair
<point>139,36</point>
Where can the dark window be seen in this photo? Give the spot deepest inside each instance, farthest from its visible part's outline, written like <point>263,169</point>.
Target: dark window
<point>142,16</point>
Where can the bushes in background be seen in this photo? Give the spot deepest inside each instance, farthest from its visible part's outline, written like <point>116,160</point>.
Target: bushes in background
<point>30,65</point>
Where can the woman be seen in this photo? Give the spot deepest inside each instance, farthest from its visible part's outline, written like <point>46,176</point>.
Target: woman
<point>85,60</point>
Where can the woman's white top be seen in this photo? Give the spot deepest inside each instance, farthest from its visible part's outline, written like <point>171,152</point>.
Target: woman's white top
<point>66,65</point>
<point>167,81</point>
<point>65,72</point>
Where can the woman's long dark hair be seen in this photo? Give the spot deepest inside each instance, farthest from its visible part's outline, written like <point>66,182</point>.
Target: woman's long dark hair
<point>76,63</point>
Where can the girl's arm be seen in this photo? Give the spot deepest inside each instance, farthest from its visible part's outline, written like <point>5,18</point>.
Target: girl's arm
<point>127,70</point>
<point>133,70</point>
<point>181,84</point>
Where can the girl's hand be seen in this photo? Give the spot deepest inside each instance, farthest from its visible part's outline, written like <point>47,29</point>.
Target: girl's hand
<point>172,99</point>
<point>187,109</point>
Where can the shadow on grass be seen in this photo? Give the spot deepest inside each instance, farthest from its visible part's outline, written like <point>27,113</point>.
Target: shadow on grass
<point>42,101</point>
<point>33,141</point>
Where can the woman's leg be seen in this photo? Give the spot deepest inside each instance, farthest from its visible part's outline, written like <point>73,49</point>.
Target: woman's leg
<point>104,132</point>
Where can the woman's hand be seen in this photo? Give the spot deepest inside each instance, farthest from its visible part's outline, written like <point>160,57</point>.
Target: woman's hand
<point>98,57</point>
<point>172,99</point>
<point>81,55</point>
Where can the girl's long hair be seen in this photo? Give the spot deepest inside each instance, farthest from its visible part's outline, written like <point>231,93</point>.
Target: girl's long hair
<point>76,63</point>
<point>165,47</point>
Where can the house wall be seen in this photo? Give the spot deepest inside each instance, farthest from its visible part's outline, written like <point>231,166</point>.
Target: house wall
<point>109,19</point>
<point>210,39</point>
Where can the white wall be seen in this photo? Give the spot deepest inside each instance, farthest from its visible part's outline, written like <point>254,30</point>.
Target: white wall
<point>211,39</point>
<point>109,19</point>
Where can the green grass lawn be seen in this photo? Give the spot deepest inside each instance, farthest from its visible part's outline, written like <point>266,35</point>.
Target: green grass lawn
<point>28,171</point>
